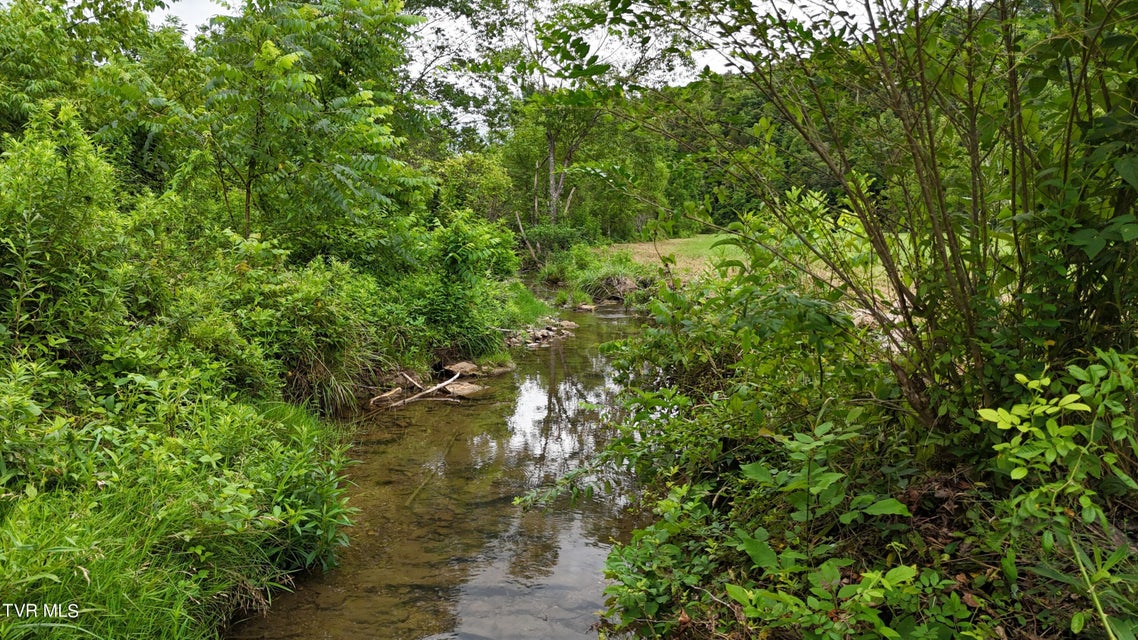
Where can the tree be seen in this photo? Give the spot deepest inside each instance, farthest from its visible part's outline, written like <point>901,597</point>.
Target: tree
<point>48,49</point>
<point>295,114</point>
<point>981,160</point>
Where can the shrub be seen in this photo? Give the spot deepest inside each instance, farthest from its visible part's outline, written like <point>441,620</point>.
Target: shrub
<point>56,248</point>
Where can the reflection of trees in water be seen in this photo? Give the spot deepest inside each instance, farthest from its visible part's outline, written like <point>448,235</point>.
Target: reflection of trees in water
<point>579,391</point>
<point>566,432</point>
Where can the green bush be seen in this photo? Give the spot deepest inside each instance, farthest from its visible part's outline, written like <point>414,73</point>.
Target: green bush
<point>318,332</point>
<point>550,239</point>
<point>1073,457</point>
<point>794,493</point>
<point>475,182</point>
<point>57,240</point>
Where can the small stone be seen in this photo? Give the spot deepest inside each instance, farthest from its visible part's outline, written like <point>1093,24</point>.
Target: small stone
<point>464,389</point>
<point>586,307</point>
<point>569,324</point>
<point>498,371</point>
<point>463,368</point>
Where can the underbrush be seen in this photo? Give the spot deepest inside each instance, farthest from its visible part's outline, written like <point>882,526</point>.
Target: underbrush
<point>582,274</point>
<point>162,460</point>
<point>158,509</point>
<point>795,496</point>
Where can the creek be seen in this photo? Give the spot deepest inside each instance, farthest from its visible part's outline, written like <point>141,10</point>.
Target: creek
<point>439,551</point>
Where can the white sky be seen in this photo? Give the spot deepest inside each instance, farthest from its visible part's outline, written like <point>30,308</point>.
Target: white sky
<point>192,13</point>
<point>195,13</point>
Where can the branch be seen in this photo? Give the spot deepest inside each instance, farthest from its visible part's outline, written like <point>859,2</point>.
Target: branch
<point>422,393</point>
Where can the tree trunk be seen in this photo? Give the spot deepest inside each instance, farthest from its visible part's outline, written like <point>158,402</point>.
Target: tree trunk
<point>554,184</point>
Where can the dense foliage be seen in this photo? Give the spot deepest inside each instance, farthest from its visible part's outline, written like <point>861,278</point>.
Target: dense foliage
<point>960,461</point>
<point>906,411</point>
<point>201,250</point>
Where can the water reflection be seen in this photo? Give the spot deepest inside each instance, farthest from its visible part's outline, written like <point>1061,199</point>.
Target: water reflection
<point>439,550</point>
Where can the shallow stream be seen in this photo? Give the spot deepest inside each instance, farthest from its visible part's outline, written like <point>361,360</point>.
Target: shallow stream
<point>439,551</point>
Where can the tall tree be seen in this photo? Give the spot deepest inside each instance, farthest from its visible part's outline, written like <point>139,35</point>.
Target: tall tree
<point>296,110</point>
<point>990,184</point>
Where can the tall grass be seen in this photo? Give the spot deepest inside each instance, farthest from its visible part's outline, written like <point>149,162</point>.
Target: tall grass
<point>582,274</point>
<point>155,534</point>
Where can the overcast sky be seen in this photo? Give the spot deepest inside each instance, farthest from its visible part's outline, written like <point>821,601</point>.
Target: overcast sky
<point>191,12</point>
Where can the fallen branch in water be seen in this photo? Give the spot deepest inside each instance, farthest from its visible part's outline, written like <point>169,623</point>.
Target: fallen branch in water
<point>423,393</point>
<point>382,396</point>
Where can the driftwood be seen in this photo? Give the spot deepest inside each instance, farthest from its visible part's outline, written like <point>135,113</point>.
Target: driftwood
<point>423,393</point>
<point>383,396</point>
<point>411,380</point>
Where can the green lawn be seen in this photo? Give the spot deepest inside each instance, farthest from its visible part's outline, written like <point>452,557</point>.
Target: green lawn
<point>694,255</point>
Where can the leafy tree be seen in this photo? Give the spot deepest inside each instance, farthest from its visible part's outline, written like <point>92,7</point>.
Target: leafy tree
<point>48,49</point>
<point>295,115</point>
<point>986,182</point>
<point>475,181</point>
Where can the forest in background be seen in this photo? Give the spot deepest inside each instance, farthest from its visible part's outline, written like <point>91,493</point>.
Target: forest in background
<point>903,407</point>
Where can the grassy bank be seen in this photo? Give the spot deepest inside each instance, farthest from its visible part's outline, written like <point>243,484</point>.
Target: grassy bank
<point>629,271</point>
<point>585,274</point>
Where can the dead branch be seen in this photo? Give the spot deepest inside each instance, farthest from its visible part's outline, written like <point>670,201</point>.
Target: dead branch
<point>383,396</point>
<point>423,393</point>
<point>411,380</point>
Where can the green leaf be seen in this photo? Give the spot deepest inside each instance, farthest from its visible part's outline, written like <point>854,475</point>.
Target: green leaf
<point>991,415</point>
<point>39,576</point>
<point>1019,473</point>
<point>739,594</point>
<point>1008,563</point>
<point>757,471</point>
<point>1090,240</point>
<point>888,506</point>
<point>821,482</point>
<point>1078,621</point>
<point>1123,629</point>
<point>1128,168</point>
<point>1068,399</point>
<point>900,575</point>
<point>761,553</point>
<point>1126,479</point>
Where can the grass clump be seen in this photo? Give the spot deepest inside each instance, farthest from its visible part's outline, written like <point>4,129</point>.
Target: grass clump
<point>158,511</point>
<point>522,307</point>
<point>584,274</point>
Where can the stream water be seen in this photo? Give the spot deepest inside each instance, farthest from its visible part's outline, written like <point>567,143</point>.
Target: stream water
<point>439,551</point>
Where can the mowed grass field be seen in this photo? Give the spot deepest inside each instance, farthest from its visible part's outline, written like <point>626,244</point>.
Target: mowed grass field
<point>694,256</point>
